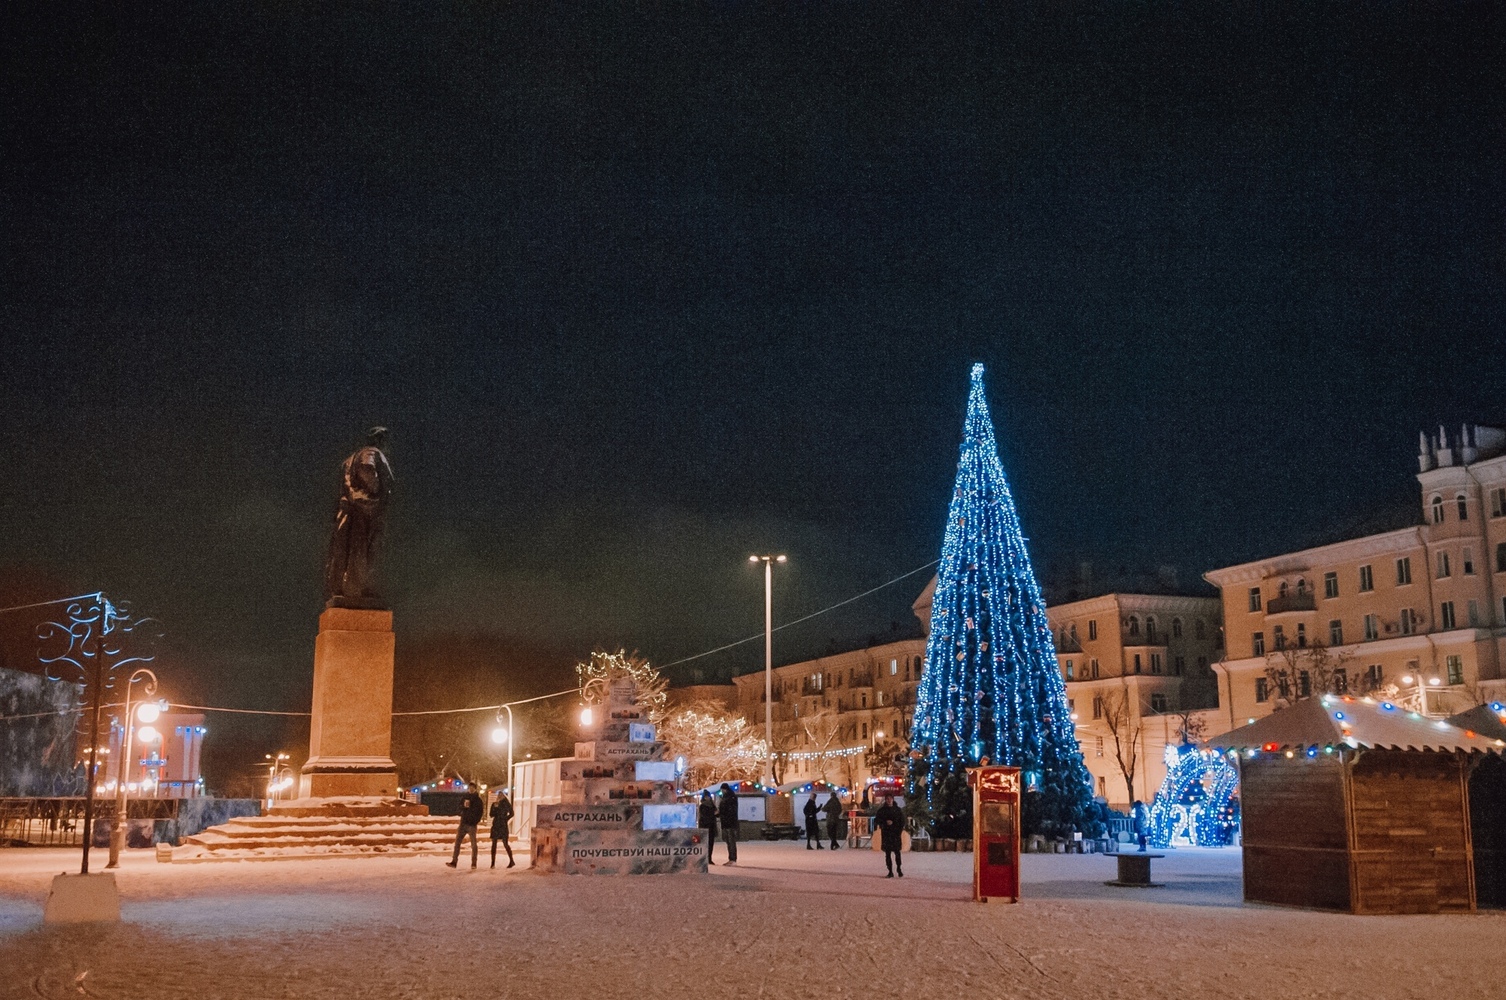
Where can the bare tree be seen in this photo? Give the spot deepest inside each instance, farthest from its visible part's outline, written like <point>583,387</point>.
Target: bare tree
<point>1125,725</point>
<point>823,731</point>
<point>1298,672</point>
<point>888,757</point>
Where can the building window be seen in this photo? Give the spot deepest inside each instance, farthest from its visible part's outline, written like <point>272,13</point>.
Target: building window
<point>1336,633</point>
<point>1098,752</point>
<point>1474,614</point>
<point>1443,565</point>
<point>1301,636</point>
<point>1069,670</point>
<point>1257,644</point>
<point>1501,557</point>
<point>1330,585</point>
<point>1197,624</point>
<point>1498,502</point>
<point>1340,680</point>
<point>1403,571</point>
<point>1093,665</point>
<point>1408,621</point>
<point>1372,628</point>
<point>1463,507</point>
<point>1278,638</point>
<point>1304,684</point>
<point>1455,666</point>
<point>1092,629</point>
<point>1254,598</point>
<point>1179,665</point>
<point>893,668</point>
<point>1437,509</point>
<point>1374,676</point>
<point>1262,690</point>
<point>1301,586</point>
<point>1281,590</point>
<point>1137,663</point>
<point>1367,580</point>
<point>1098,706</point>
<point>1134,625</point>
<point>1158,702</point>
<point>1155,663</point>
<point>1150,630</point>
<point>1176,628</point>
<point>1446,614</point>
<point>1467,561</point>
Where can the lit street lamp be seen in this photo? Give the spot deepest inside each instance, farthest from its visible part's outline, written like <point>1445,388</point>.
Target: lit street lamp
<point>768,661</point>
<point>146,712</point>
<point>277,764</point>
<point>504,734</point>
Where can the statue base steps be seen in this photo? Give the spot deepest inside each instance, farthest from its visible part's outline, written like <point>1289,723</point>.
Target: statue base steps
<point>354,826</point>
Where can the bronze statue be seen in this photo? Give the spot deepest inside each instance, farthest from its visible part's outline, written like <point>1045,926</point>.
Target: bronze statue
<point>366,486</point>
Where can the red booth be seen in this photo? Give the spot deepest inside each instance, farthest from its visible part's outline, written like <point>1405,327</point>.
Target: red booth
<point>996,833</point>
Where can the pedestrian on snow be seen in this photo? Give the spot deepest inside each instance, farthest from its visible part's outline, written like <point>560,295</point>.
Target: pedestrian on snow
<point>470,818</point>
<point>834,817</point>
<point>812,824</point>
<point>727,815</point>
<point>889,821</point>
<point>501,816</point>
<point>1141,820</point>
<point>707,815</point>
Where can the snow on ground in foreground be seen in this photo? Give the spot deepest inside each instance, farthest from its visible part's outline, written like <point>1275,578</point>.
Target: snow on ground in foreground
<point>785,923</point>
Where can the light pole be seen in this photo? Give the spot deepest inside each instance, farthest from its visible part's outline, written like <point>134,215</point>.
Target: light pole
<point>768,660</point>
<point>148,713</point>
<point>504,734</point>
<point>276,764</point>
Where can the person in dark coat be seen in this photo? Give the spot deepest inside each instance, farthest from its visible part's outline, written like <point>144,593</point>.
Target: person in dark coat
<point>501,816</point>
<point>1140,817</point>
<point>812,824</point>
<point>707,816</point>
<point>889,822</point>
<point>834,818</point>
<point>727,814</point>
<point>470,818</point>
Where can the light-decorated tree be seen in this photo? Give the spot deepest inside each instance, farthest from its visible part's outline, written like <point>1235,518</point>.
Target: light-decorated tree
<point>718,745</point>
<point>597,672</point>
<point>991,687</point>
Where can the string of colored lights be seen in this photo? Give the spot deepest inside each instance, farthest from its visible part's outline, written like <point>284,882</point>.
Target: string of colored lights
<point>991,687</point>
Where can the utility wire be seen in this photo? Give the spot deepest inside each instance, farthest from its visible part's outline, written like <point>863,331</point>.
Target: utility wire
<point>807,618</point>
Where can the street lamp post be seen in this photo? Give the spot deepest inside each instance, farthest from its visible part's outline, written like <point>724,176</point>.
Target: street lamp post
<point>504,734</point>
<point>768,661</point>
<point>277,764</point>
<point>118,830</point>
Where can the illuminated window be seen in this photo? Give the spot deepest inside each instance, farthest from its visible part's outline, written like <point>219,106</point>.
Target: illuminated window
<point>1069,670</point>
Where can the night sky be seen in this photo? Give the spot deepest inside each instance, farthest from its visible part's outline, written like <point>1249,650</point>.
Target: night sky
<point>643,290</point>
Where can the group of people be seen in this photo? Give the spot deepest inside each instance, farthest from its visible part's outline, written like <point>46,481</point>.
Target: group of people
<point>888,825</point>
<point>719,814</point>
<point>471,806</point>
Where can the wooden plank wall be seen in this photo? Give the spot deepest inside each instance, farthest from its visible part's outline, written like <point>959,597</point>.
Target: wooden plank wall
<point>1295,836</point>
<point>1487,826</point>
<point>1411,833</point>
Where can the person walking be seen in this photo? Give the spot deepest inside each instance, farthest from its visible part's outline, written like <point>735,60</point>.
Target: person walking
<point>812,824</point>
<point>834,818</point>
<point>889,821</point>
<point>470,818</point>
<point>501,816</point>
<point>727,815</point>
<point>707,816</point>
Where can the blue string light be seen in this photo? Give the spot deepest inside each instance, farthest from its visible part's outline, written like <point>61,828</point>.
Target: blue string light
<point>991,687</point>
<point>1194,805</point>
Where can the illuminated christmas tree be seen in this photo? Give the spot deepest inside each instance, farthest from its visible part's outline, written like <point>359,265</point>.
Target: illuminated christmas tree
<point>991,687</point>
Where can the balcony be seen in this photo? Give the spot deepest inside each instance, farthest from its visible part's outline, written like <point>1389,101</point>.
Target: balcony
<point>1068,644</point>
<point>1284,604</point>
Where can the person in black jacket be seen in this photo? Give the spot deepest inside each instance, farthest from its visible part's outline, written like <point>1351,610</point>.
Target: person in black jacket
<point>889,823</point>
<point>707,817</point>
<point>834,818</point>
<point>470,818</point>
<point>727,814</point>
<point>812,824</point>
<point>501,816</point>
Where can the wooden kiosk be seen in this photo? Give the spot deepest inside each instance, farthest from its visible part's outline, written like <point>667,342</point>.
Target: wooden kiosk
<point>1356,805</point>
<point>1487,805</point>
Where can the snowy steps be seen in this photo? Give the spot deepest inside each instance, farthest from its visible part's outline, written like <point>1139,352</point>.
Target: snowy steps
<point>285,835</point>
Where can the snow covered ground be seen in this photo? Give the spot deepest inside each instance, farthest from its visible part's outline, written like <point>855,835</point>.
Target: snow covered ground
<point>785,923</point>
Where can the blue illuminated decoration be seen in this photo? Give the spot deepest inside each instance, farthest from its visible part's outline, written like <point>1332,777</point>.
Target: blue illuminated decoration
<point>991,687</point>
<point>1194,806</point>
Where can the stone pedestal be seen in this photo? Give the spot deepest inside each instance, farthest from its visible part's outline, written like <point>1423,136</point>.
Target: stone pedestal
<point>350,732</point>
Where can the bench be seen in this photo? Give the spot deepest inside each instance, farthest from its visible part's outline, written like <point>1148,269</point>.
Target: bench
<point>1134,870</point>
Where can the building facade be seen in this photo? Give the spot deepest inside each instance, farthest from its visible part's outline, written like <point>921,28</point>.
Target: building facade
<point>1417,615</point>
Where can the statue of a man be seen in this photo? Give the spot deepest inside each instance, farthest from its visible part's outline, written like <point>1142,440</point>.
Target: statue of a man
<point>365,487</point>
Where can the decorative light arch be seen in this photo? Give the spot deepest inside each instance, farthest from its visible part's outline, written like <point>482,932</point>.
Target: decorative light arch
<point>1194,806</point>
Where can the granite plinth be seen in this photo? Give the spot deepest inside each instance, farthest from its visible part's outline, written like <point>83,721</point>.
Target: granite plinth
<point>350,730</point>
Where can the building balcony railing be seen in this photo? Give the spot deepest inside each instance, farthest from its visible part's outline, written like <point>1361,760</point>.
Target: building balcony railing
<point>1288,603</point>
<point>861,681</point>
<point>1068,644</point>
<point>1157,641</point>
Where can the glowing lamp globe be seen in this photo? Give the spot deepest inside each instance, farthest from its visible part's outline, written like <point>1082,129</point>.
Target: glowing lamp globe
<point>147,734</point>
<point>148,712</point>
<point>499,735</point>
<point>586,716</point>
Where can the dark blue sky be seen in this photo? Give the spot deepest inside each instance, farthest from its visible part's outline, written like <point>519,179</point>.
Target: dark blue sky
<point>640,291</point>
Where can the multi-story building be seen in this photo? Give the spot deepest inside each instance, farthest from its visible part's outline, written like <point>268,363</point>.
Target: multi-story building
<point>1417,614</point>
<point>1137,669</point>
